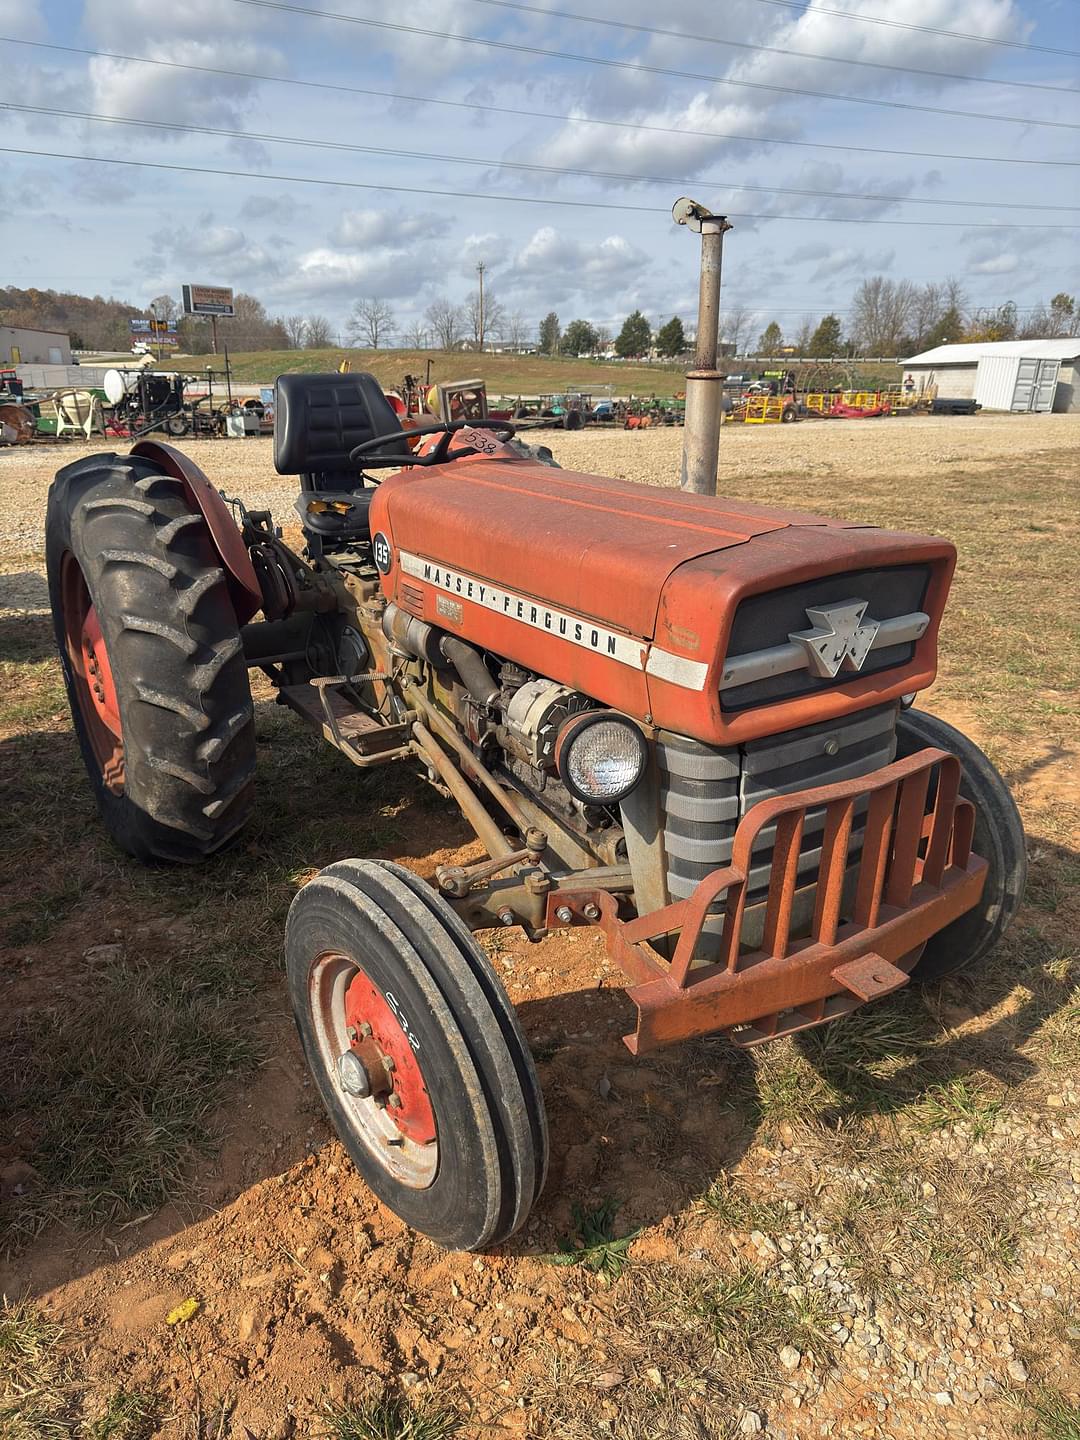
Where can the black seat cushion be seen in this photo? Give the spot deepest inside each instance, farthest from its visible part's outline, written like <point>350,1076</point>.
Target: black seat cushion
<point>318,419</point>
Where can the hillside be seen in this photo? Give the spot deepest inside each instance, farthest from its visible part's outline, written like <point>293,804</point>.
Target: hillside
<point>505,374</point>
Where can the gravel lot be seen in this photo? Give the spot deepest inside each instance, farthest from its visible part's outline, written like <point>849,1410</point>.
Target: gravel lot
<point>915,446</point>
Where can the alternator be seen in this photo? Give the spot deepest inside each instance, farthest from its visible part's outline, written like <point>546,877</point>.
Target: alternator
<point>535,715</point>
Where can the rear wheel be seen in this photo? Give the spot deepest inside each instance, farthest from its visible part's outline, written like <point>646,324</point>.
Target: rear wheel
<point>152,659</point>
<point>999,839</point>
<point>417,1053</point>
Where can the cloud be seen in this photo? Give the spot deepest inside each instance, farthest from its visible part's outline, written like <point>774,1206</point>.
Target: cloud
<point>23,20</point>
<point>388,228</point>
<point>1001,264</point>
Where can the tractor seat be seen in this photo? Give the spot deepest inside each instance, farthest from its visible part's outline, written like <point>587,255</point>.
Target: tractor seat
<point>319,419</point>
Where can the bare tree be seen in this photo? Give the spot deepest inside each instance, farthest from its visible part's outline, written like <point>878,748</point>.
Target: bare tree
<point>165,308</point>
<point>371,320</point>
<point>882,312</point>
<point>446,321</point>
<point>317,332</point>
<point>803,334</point>
<point>487,324</point>
<point>417,336</point>
<point>296,330</point>
<point>604,339</point>
<point>517,331</point>
<point>736,323</point>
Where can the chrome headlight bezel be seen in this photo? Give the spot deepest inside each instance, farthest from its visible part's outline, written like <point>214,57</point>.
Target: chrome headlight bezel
<point>576,732</point>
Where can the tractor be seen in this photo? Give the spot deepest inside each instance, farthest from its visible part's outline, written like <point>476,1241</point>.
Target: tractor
<point>684,721</point>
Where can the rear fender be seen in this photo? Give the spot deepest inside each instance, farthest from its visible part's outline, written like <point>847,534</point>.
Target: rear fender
<point>240,575</point>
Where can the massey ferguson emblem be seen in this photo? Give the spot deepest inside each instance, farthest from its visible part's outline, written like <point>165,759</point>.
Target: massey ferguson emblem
<point>841,638</point>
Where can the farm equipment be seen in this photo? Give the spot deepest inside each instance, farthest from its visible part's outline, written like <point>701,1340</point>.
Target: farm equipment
<point>681,720</point>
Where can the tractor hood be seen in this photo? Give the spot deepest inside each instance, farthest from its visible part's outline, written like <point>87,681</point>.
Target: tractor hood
<point>598,547</point>
<point>632,593</point>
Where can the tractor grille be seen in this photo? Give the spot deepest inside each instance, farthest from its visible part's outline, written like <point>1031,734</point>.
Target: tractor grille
<point>762,621</point>
<point>705,792</point>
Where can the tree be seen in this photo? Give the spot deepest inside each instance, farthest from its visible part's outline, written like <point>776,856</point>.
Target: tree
<point>1064,315</point>
<point>603,339</point>
<point>736,323</point>
<point>634,338</point>
<point>803,335</point>
<point>371,320</point>
<point>671,339</point>
<point>770,339</point>
<point>317,332</point>
<point>445,320</point>
<point>989,323</point>
<point>882,312</point>
<point>826,339</point>
<point>165,308</point>
<point>417,335</point>
<point>296,330</point>
<point>516,331</point>
<point>949,329</point>
<point>251,328</point>
<point>549,334</point>
<point>579,338</point>
<point>484,326</point>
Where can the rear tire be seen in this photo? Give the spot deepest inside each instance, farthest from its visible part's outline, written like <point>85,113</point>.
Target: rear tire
<point>171,751</point>
<point>999,839</point>
<point>434,1002</point>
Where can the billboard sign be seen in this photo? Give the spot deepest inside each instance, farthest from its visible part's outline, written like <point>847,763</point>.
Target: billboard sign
<point>207,300</point>
<point>155,332</point>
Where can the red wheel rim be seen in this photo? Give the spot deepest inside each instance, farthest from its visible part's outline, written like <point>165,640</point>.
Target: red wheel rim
<point>378,1018</point>
<point>352,1017</point>
<point>91,675</point>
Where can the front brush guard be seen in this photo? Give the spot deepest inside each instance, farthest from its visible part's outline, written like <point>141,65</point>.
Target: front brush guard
<point>916,874</point>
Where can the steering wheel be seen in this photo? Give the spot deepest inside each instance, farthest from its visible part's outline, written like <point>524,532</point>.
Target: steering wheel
<point>367,454</point>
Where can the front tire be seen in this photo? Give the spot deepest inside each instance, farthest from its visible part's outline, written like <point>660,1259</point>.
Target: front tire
<point>999,839</point>
<point>381,969</point>
<point>152,659</point>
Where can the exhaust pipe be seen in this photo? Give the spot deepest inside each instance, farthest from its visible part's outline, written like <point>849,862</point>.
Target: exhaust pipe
<point>704,384</point>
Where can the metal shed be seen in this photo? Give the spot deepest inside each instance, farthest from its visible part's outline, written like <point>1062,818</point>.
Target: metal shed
<point>1024,375</point>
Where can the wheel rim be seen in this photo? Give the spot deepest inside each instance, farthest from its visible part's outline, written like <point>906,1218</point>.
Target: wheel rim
<point>91,674</point>
<point>351,1016</point>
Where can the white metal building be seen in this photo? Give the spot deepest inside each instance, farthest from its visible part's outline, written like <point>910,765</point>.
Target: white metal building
<point>1022,375</point>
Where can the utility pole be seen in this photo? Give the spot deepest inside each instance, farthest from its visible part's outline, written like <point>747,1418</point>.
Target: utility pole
<point>704,386</point>
<point>480,317</point>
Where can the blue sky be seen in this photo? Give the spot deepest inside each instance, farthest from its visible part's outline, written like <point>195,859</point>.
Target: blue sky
<point>316,248</point>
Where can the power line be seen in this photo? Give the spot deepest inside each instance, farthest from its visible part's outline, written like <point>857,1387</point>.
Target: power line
<point>767,49</point>
<point>540,114</point>
<point>922,29</point>
<point>638,69</point>
<point>441,159</point>
<point>543,200</point>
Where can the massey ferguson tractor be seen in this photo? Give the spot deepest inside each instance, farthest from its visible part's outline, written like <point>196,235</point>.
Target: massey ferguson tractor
<point>685,721</point>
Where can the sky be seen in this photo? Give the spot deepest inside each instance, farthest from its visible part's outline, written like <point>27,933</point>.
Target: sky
<point>594,246</point>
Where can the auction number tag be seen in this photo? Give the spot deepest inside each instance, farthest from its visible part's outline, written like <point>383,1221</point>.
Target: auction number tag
<point>384,556</point>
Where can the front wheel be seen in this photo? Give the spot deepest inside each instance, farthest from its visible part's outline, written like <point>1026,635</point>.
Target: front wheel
<point>417,1053</point>
<point>999,839</point>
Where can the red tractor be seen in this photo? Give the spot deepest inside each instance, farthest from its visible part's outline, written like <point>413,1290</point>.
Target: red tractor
<point>683,720</point>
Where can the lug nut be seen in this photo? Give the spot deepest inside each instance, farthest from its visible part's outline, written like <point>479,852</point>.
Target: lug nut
<point>365,1031</point>
<point>389,1062</point>
<point>591,911</point>
<point>564,915</point>
<point>352,1075</point>
<point>394,1100</point>
<point>506,917</point>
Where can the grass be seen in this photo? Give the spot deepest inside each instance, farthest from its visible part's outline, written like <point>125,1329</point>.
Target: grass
<point>35,1391</point>
<point>966,1100</point>
<point>505,374</point>
<point>746,1315</point>
<point>594,1243</point>
<point>128,1415</point>
<point>389,1417</point>
<point>728,1200</point>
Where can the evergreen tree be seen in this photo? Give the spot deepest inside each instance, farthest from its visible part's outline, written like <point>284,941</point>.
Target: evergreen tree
<point>635,337</point>
<point>826,339</point>
<point>549,334</point>
<point>671,338</point>
<point>580,338</point>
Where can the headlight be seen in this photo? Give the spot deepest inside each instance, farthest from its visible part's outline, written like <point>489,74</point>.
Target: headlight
<point>600,757</point>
